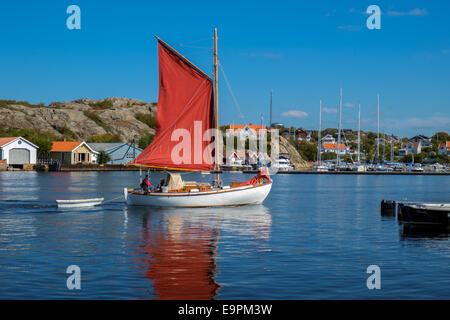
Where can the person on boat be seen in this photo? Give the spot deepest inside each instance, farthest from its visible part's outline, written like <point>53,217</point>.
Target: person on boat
<point>161,184</point>
<point>145,184</point>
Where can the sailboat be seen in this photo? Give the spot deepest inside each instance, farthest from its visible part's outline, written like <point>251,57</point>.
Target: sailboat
<point>188,107</point>
<point>358,166</point>
<point>320,167</point>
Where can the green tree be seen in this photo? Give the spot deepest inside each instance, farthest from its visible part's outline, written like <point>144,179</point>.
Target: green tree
<point>418,158</point>
<point>145,141</point>
<point>103,157</point>
<point>107,137</point>
<point>43,142</point>
<point>101,105</point>
<point>328,156</point>
<point>438,139</point>
<point>308,151</point>
<point>147,118</point>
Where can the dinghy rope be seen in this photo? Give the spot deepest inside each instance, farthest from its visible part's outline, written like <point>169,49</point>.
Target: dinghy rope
<point>121,196</point>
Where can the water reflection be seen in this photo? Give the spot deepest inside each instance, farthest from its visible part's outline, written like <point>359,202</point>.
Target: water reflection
<point>180,246</point>
<point>424,232</point>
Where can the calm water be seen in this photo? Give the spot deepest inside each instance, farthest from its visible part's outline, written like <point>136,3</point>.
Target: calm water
<point>313,238</point>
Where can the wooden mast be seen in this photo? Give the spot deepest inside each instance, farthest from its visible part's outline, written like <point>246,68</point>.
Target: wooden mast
<point>216,102</point>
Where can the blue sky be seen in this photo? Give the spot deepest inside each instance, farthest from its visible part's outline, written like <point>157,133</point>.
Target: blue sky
<point>303,50</point>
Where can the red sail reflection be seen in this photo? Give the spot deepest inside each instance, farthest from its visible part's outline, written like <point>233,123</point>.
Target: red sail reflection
<point>182,264</point>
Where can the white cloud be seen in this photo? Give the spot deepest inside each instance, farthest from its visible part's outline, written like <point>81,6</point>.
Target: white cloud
<point>414,12</point>
<point>294,114</point>
<point>329,110</point>
<point>431,122</point>
<point>349,28</point>
<point>267,55</point>
<point>349,105</point>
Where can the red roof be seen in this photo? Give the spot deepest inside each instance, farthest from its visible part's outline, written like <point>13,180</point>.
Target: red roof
<point>334,146</point>
<point>447,144</point>
<point>414,144</point>
<point>236,128</point>
<point>6,140</point>
<point>65,146</point>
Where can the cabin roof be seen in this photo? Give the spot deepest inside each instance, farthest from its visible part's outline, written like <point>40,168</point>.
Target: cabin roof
<point>69,146</point>
<point>65,146</point>
<point>6,140</point>
<point>104,146</point>
<point>414,144</point>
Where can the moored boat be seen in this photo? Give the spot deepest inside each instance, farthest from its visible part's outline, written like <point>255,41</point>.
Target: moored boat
<point>431,214</point>
<point>282,164</point>
<point>79,203</point>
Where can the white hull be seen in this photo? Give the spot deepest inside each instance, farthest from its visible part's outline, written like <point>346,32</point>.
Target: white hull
<point>321,168</point>
<point>359,168</point>
<point>220,197</point>
<point>79,203</point>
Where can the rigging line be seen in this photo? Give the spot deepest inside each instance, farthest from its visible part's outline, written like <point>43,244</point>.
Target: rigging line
<point>195,41</point>
<point>231,92</point>
<point>194,47</point>
<point>180,173</point>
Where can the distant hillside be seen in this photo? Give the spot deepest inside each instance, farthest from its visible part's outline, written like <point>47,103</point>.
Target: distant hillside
<point>84,119</point>
<point>294,156</point>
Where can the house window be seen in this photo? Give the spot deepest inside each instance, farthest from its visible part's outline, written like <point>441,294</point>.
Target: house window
<point>81,157</point>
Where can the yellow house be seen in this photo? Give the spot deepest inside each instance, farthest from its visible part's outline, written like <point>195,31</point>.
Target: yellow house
<point>73,152</point>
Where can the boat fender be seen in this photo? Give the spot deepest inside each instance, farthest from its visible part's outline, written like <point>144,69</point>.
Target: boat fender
<point>125,193</point>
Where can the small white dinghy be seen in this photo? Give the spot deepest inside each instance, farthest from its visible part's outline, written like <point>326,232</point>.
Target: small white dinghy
<point>79,203</point>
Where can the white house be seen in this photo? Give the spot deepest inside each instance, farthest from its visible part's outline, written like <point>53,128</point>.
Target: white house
<point>328,139</point>
<point>247,131</point>
<point>17,151</point>
<point>410,148</point>
<point>333,147</point>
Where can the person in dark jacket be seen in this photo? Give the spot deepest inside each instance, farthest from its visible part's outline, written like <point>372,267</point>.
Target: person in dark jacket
<point>145,184</point>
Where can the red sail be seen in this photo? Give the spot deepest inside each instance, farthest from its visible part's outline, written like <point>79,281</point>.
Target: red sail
<point>185,102</point>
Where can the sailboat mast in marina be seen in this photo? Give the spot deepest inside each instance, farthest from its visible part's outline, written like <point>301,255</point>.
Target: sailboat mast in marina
<point>378,128</point>
<point>339,130</point>
<point>187,114</point>
<point>319,135</point>
<point>359,133</point>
